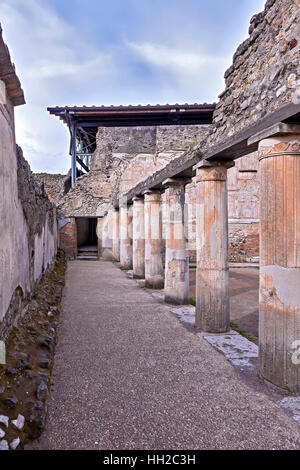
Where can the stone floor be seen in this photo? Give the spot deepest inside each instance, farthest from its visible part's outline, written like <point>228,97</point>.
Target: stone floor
<point>129,375</point>
<point>243,284</point>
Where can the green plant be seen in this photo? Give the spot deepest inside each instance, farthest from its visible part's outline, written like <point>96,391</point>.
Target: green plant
<point>235,327</point>
<point>198,154</point>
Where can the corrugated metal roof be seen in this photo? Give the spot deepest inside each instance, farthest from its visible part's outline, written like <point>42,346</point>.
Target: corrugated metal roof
<point>124,108</point>
<point>135,115</point>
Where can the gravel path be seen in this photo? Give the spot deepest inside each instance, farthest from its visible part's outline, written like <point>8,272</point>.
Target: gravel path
<point>129,375</point>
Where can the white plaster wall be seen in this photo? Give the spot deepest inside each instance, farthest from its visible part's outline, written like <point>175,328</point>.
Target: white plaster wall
<point>14,249</point>
<point>38,254</point>
<point>14,256</point>
<point>50,242</point>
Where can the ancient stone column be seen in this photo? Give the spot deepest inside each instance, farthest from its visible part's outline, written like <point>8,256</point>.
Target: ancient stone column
<point>212,280</point>
<point>125,237</point>
<point>115,235</point>
<point>107,237</point>
<point>177,258</point>
<point>279,293</point>
<point>154,272</point>
<point>138,238</point>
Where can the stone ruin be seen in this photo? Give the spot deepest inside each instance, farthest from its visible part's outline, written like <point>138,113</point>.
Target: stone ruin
<point>255,125</point>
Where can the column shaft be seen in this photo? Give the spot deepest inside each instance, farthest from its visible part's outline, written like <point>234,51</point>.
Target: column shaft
<point>279,294</point>
<point>107,237</point>
<point>125,237</point>
<point>212,280</point>
<point>138,235</point>
<point>177,258</point>
<point>116,235</point>
<point>154,273</point>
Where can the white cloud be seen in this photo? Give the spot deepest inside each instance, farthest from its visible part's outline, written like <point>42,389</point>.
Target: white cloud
<point>58,65</point>
<point>178,59</point>
<point>191,73</point>
<point>54,63</point>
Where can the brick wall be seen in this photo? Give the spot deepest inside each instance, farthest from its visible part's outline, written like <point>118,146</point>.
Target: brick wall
<point>68,237</point>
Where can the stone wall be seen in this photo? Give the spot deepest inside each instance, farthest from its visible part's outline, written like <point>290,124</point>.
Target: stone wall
<point>28,234</point>
<point>265,72</point>
<point>123,157</point>
<point>243,211</point>
<point>126,156</point>
<point>55,185</point>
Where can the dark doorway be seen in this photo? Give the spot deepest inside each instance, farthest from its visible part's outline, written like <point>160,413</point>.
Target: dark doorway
<point>87,240</point>
<point>86,231</point>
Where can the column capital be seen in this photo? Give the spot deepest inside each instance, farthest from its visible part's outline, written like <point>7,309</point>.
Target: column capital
<point>176,182</point>
<point>152,195</point>
<point>277,141</point>
<point>150,191</point>
<point>214,163</point>
<point>212,171</point>
<point>138,198</point>
<point>279,129</point>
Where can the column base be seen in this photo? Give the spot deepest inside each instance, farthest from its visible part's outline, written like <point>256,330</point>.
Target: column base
<point>138,276</point>
<point>169,299</point>
<point>154,283</point>
<point>126,267</point>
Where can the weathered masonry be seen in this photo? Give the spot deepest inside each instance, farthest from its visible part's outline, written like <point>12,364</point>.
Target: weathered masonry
<point>258,111</point>
<point>28,232</point>
<point>236,171</point>
<point>123,146</point>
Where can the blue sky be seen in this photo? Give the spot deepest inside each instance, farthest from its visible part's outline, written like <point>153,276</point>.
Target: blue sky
<point>93,52</point>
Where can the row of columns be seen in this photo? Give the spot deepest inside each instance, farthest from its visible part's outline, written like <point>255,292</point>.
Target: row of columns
<point>279,297</point>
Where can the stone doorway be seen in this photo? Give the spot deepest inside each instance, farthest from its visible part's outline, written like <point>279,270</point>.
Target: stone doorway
<point>87,240</point>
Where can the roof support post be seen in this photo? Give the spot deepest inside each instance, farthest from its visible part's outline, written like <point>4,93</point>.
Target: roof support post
<point>154,271</point>
<point>177,257</point>
<point>73,157</point>
<point>125,235</point>
<point>212,276</point>
<point>138,235</point>
<point>279,291</point>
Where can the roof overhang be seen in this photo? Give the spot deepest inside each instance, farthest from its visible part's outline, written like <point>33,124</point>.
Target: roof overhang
<point>8,75</point>
<point>124,116</point>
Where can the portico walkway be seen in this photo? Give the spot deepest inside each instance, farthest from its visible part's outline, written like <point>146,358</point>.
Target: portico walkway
<point>129,375</point>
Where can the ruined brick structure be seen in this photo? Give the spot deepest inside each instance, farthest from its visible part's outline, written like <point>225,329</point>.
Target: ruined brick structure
<point>259,111</point>
<point>124,156</point>
<point>237,168</point>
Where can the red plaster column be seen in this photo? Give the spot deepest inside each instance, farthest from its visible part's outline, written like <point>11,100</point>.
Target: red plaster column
<point>177,257</point>
<point>279,294</point>
<point>212,280</point>
<point>125,237</point>
<point>154,272</point>
<point>116,235</point>
<point>138,236</point>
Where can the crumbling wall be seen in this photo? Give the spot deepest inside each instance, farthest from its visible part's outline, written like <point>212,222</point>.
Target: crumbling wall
<point>28,232</point>
<point>55,185</point>
<point>265,72</point>
<point>123,157</point>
